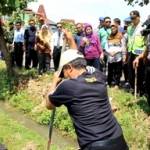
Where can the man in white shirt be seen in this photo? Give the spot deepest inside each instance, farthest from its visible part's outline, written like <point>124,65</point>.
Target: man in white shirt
<point>18,43</point>
<point>58,41</point>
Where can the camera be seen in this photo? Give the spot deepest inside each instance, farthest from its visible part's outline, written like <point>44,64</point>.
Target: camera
<point>146,24</point>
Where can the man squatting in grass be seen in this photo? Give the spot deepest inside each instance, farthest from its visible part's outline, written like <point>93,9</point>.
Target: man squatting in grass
<point>84,93</point>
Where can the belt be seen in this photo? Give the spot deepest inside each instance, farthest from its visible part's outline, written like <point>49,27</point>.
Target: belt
<point>18,42</point>
<point>110,142</point>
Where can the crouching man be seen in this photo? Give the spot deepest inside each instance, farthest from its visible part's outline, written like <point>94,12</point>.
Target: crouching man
<point>85,96</point>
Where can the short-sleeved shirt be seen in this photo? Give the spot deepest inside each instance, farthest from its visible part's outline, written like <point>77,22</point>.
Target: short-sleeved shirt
<point>103,35</point>
<point>87,102</point>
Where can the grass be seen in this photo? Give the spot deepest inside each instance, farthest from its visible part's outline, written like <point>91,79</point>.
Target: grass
<point>17,137</point>
<point>133,117</point>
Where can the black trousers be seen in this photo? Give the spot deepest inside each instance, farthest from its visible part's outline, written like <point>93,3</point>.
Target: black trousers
<point>114,72</point>
<point>125,72</point>
<point>147,81</point>
<point>44,62</point>
<point>31,56</point>
<point>140,74</point>
<point>94,63</point>
<point>56,57</point>
<point>110,144</point>
<point>18,54</point>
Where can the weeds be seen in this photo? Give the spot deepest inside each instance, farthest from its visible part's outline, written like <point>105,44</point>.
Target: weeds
<point>133,117</point>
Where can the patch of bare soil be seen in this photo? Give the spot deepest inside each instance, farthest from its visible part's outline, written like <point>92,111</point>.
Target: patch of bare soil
<point>38,90</point>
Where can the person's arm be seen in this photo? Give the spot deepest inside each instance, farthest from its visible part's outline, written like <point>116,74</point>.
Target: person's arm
<point>69,37</point>
<point>137,59</point>
<point>100,48</point>
<point>124,47</point>
<point>56,80</point>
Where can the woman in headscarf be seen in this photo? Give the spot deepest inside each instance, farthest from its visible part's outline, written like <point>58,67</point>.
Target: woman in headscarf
<point>43,47</point>
<point>91,47</point>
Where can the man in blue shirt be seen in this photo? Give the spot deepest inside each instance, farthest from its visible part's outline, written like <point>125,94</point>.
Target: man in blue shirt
<point>79,35</point>
<point>18,43</point>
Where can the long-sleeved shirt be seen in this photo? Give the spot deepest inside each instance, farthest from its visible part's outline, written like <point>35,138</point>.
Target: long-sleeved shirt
<point>57,39</point>
<point>92,48</point>
<point>103,35</point>
<point>18,36</point>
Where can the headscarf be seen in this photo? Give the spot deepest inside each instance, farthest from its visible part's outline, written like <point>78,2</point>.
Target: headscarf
<point>45,36</point>
<point>91,37</point>
<point>85,27</point>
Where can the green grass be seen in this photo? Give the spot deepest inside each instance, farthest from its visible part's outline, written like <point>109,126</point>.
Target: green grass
<point>16,136</point>
<point>133,117</point>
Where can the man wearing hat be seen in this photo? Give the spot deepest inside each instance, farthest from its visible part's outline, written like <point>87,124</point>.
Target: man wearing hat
<point>85,96</point>
<point>135,46</point>
<point>101,22</point>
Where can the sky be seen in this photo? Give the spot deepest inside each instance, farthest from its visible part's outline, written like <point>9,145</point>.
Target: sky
<point>88,11</point>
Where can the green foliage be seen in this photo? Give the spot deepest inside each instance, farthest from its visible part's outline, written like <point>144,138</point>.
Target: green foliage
<point>139,2</point>
<point>63,121</point>
<point>69,26</point>
<point>22,101</point>
<point>8,6</point>
<point>43,118</point>
<point>132,118</point>
<point>5,83</point>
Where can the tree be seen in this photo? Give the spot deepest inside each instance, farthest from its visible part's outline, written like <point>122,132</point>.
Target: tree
<point>139,2</point>
<point>7,7</point>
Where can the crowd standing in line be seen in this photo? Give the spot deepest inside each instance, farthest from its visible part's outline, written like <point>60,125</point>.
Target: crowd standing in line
<point>112,49</point>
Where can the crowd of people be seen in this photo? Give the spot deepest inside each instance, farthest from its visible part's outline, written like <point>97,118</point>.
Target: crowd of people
<point>112,49</point>
<point>84,90</point>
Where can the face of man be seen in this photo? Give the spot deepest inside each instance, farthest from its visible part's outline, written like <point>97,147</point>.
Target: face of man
<point>79,28</point>
<point>18,26</point>
<point>67,73</point>
<point>134,18</point>
<point>59,27</point>
<point>32,23</point>
<point>107,23</point>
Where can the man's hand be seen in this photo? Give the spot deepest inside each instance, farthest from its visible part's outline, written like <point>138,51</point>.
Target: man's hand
<point>56,79</point>
<point>70,39</point>
<point>136,63</point>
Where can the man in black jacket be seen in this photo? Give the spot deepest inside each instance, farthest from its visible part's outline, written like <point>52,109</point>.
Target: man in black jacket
<point>31,53</point>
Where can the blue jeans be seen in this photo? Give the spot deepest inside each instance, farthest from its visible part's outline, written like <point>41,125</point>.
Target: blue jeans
<point>94,63</point>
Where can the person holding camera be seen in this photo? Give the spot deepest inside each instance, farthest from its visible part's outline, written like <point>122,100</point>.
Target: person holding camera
<point>146,57</point>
